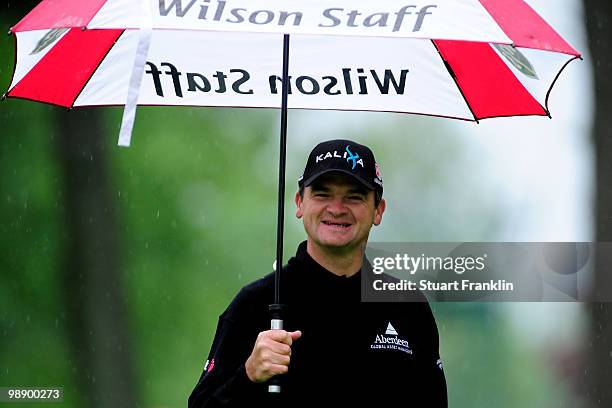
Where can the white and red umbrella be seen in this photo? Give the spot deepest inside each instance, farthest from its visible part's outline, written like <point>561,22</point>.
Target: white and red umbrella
<point>464,59</point>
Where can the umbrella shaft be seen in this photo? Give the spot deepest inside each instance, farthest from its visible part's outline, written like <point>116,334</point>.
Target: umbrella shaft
<point>281,170</point>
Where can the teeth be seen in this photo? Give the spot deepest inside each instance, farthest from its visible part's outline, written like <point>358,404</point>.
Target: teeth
<point>336,224</point>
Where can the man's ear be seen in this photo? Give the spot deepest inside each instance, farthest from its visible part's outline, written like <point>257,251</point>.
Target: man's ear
<point>380,210</point>
<point>298,205</point>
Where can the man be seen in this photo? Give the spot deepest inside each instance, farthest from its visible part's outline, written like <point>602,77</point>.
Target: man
<point>336,350</point>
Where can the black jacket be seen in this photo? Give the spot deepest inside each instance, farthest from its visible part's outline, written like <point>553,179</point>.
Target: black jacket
<point>349,353</point>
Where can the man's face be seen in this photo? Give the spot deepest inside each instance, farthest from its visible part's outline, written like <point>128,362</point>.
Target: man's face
<point>338,212</point>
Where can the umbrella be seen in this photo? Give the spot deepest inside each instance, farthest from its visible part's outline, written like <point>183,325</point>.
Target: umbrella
<point>463,59</point>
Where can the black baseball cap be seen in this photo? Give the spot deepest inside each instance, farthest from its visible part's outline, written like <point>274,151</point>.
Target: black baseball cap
<point>346,157</point>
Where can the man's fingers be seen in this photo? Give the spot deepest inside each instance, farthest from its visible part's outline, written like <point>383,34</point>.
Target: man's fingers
<point>276,369</point>
<point>292,336</point>
<point>295,335</point>
<point>277,347</point>
<point>283,336</point>
<point>275,358</point>
<point>277,335</point>
<point>271,354</point>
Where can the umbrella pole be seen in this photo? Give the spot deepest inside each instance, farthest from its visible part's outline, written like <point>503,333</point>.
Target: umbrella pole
<point>281,170</point>
<point>276,308</point>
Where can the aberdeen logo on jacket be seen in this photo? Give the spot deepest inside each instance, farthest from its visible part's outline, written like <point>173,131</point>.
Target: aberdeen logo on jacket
<point>390,340</point>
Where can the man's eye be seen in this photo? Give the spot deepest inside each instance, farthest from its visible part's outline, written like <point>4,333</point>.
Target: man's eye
<point>356,197</point>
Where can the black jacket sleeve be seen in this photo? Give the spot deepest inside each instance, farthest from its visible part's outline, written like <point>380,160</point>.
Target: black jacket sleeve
<point>224,382</point>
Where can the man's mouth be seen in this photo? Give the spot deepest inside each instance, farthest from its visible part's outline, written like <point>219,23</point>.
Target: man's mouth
<point>337,224</point>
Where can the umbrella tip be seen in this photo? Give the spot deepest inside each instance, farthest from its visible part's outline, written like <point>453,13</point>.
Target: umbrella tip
<point>3,96</point>
<point>9,32</point>
<point>83,28</point>
<point>547,112</point>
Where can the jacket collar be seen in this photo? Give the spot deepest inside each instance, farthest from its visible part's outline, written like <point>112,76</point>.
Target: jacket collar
<point>306,263</point>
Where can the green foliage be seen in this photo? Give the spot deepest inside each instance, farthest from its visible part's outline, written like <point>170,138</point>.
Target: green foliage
<point>33,346</point>
<point>198,223</point>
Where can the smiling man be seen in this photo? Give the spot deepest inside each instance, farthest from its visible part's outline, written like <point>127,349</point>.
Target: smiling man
<point>337,350</point>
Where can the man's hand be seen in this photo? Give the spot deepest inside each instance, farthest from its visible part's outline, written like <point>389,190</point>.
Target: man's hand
<point>271,354</point>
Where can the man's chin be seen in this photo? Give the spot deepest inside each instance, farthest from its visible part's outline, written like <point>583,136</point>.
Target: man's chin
<point>336,244</point>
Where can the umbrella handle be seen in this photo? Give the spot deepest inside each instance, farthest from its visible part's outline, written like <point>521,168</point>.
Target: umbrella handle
<point>276,323</point>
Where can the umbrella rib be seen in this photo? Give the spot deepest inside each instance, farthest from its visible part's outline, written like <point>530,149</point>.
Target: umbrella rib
<point>14,66</point>
<point>555,80</point>
<point>452,74</point>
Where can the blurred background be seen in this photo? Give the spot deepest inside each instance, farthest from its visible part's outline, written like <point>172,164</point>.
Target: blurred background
<point>115,263</point>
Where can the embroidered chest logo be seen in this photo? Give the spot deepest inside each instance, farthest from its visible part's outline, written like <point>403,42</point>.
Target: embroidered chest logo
<point>390,340</point>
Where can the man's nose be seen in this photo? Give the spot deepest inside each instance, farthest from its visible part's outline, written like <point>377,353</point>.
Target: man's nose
<point>336,206</point>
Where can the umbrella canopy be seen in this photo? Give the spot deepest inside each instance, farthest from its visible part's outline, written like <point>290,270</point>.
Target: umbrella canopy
<point>464,59</point>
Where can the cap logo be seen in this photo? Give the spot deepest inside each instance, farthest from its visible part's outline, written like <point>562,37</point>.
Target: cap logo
<point>348,155</point>
<point>353,157</point>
